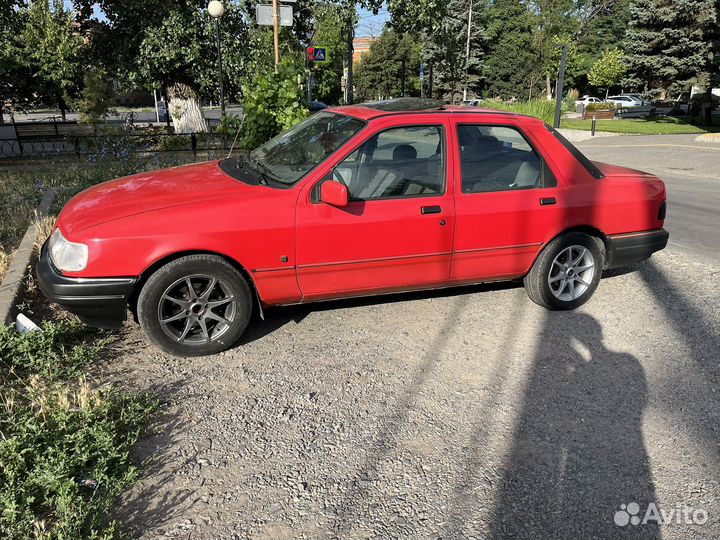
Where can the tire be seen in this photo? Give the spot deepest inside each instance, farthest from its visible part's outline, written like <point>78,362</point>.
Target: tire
<point>550,285</point>
<point>207,319</point>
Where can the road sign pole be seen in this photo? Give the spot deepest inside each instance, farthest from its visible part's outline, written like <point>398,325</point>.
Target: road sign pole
<point>276,32</point>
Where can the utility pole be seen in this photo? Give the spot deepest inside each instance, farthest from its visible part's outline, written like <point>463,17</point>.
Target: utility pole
<point>467,49</point>
<point>276,32</point>
<point>350,37</point>
<point>402,78</point>
<point>560,84</point>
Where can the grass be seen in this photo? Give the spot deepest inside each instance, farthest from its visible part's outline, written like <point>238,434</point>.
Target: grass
<point>666,125</point>
<point>64,444</point>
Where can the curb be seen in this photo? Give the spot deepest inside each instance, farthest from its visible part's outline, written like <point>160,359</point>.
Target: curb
<point>12,283</point>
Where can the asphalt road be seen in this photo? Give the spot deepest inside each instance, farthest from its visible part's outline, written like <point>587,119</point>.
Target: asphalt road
<point>691,171</point>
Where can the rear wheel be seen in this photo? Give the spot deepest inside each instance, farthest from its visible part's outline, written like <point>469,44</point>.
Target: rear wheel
<point>195,305</point>
<point>566,273</point>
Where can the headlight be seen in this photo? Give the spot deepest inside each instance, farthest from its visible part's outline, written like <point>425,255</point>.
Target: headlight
<point>67,256</point>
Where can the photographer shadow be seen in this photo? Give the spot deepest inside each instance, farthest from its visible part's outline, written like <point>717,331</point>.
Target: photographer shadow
<point>578,452</point>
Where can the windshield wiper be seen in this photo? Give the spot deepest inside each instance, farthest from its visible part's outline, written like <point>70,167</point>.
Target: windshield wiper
<point>265,174</point>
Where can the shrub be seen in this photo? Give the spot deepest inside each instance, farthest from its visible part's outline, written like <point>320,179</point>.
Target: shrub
<point>600,107</point>
<point>273,103</point>
<point>64,445</point>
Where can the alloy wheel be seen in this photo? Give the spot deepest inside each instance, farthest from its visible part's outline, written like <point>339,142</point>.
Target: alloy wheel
<point>197,309</point>
<point>571,273</point>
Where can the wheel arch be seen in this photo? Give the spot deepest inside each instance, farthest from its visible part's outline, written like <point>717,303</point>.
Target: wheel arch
<point>150,270</point>
<point>593,232</point>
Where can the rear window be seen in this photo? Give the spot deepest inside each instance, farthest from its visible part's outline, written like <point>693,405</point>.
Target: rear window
<point>582,159</point>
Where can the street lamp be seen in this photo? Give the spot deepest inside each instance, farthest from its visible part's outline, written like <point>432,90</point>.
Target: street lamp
<point>216,9</point>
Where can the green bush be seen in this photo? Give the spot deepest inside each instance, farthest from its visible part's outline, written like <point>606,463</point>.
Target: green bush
<point>64,445</point>
<point>229,124</point>
<point>273,103</point>
<point>600,107</point>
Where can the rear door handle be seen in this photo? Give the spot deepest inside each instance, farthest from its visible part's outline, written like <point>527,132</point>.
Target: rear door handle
<point>430,209</point>
<point>547,200</point>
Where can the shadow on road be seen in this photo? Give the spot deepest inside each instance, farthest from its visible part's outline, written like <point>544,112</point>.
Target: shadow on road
<point>578,451</point>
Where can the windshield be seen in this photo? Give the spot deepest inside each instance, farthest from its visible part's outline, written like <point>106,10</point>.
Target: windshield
<point>290,155</point>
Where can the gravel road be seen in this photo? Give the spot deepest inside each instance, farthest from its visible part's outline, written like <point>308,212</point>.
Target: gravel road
<point>470,413</point>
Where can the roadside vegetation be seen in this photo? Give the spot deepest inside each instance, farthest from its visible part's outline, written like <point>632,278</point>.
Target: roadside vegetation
<point>65,439</point>
<point>666,125</point>
<point>64,443</point>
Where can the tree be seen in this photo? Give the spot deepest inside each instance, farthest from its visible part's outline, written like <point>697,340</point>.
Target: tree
<point>608,70</point>
<point>329,33</point>
<point>379,72</point>
<point>53,50</point>
<point>553,57</point>
<point>666,44</point>
<point>445,48</point>
<point>179,54</point>
<point>512,63</point>
<point>15,76</point>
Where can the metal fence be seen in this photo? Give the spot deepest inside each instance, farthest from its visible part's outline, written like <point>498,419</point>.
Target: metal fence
<point>106,144</point>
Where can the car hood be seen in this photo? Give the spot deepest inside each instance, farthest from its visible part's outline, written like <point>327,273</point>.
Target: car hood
<point>148,192</point>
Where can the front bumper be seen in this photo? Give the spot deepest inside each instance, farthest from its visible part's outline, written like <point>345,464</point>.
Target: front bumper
<point>635,247</point>
<point>99,302</point>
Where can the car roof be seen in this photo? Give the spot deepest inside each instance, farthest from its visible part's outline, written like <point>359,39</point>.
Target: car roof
<point>410,106</point>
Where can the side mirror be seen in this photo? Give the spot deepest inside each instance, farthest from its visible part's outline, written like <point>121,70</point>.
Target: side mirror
<point>334,193</point>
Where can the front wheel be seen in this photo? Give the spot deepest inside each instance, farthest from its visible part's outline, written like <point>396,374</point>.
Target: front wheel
<point>566,273</point>
<point>195,305</point>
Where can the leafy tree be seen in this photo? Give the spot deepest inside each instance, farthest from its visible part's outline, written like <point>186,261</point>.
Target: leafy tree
<point>53,50</point>
<point>330,19</point>
<point>666,44</point>
<point>272,103</point>
<point>553,57</point>
<point>379,71</point>
<point>608,70</point>
<point>15,76</point>
<point>96,98</point>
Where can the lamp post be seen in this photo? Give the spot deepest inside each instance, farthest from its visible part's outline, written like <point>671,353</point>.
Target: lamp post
<point>216,9</point>
<point>560,84</point>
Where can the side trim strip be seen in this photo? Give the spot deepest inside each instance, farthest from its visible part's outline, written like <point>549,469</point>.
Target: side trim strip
<point>633,234</point>
<point>274,269</point>
<point>381,259</point>
<point>519,246</point>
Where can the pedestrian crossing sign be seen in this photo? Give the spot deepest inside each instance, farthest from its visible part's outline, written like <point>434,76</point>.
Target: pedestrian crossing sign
<point>320,55</point>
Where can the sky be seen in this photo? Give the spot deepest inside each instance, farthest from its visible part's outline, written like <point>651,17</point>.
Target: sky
<point>368,24</point>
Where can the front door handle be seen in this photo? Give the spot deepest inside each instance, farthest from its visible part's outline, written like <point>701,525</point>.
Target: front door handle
<point>547,200</point>
<point>430,209</point>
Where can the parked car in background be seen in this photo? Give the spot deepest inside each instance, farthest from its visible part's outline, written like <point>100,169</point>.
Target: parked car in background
<point>631,106</point>
<point>586,100</point>
<point>316,106</point>
<point>627,100</point>
<point>471,102</point>
<point>366,199</point>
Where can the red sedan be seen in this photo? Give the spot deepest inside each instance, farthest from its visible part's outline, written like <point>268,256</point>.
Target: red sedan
<point>358,200</point>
